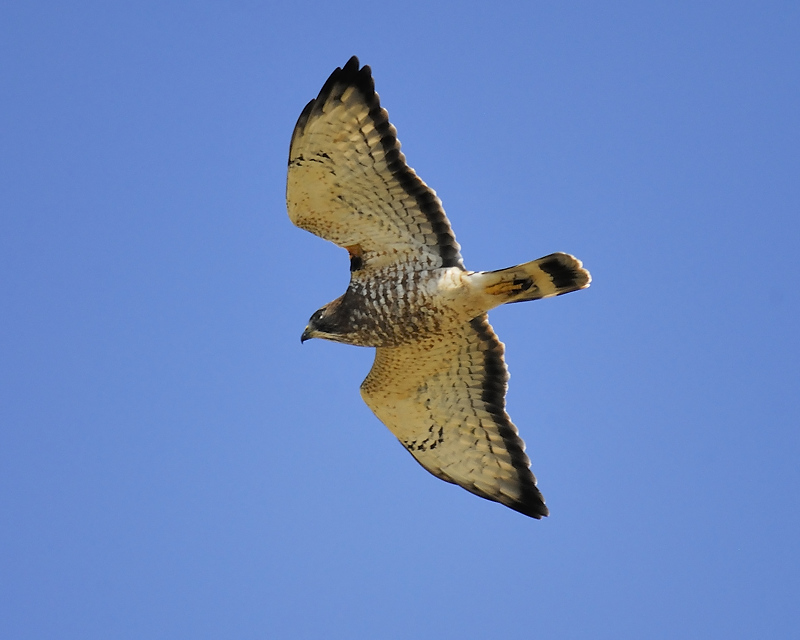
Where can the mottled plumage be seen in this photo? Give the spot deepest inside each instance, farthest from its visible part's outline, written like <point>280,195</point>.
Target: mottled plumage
<point>439,379</point>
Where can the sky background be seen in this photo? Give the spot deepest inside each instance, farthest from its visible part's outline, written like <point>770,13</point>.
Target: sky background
<point>173,464</point>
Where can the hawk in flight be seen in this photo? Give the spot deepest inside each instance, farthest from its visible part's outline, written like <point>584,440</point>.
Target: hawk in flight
<point>439,379</point>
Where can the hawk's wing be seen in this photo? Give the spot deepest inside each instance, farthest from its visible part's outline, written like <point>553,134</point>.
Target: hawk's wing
<point>350,184</point>
<point>444,399</point>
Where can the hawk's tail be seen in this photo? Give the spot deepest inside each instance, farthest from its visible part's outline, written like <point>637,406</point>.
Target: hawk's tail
<point>552,275</point>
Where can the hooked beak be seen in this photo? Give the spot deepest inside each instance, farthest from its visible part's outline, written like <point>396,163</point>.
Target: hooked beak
<point>306,335</point>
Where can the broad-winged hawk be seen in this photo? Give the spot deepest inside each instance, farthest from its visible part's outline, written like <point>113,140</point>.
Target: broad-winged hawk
<point>439,379</point>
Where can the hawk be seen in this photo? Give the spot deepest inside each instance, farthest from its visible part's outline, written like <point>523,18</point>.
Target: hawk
<point>439,378</point>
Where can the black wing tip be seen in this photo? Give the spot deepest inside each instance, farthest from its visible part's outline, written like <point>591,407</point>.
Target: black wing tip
<point>533,507</point>
<point>530,502</point>
<point>349,75</point>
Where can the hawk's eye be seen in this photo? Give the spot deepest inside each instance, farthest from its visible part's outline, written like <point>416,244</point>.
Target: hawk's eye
<point>318,315</point>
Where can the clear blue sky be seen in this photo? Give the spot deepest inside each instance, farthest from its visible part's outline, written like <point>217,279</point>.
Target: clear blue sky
<point>173,464</point>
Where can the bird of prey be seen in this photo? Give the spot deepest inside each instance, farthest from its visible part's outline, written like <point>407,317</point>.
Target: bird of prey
<point>439,378</point>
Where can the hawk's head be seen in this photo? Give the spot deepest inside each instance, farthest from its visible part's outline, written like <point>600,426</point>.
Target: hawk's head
<point>327,323</point>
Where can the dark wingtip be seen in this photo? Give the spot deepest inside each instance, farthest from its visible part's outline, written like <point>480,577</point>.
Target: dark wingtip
<point>531,504</point>
<point>349,75</point>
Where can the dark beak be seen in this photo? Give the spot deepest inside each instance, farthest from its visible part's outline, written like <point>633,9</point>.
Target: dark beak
<point>306,335</point>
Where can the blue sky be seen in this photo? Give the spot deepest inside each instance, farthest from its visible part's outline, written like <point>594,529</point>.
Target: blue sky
<point>173,464</point>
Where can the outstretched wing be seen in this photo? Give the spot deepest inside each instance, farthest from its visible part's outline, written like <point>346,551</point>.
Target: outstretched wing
<point>349,183</point>
<point>444,399</point>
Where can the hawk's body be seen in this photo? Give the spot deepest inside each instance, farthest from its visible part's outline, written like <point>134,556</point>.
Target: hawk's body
<point>439,378</point>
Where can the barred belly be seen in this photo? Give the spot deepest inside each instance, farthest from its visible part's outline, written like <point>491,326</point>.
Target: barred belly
<point>393,307</point>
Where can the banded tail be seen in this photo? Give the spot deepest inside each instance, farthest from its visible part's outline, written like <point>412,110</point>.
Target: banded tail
<point>552,275</point>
